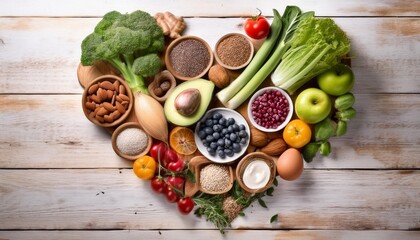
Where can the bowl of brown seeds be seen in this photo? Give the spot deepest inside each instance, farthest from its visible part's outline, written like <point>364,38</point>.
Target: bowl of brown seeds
<point>188,57</point>
<point>234,51</point>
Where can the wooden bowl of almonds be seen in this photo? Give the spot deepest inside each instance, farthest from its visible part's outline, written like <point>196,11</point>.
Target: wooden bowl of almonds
<point>107,101</point>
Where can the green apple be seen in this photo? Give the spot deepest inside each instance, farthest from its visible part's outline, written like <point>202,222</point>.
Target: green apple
<point>337,80</point>
<point>312,105</point>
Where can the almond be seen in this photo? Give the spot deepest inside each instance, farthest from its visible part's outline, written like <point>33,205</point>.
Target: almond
<point>107,85</point>
<point>275,147</point>
<point>93,88</point>
<point>258,138</point>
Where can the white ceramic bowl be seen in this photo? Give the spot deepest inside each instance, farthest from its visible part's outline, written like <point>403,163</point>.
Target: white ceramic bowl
<point>288,117</point>
<point>226,113</point>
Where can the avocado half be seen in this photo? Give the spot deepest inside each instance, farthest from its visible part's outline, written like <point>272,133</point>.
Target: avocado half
<point>205,87</point>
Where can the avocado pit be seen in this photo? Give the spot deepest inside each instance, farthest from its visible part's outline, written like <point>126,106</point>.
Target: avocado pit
<point>187,101</point>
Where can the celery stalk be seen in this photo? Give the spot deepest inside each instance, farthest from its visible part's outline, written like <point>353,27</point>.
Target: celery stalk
<point>227,93</point>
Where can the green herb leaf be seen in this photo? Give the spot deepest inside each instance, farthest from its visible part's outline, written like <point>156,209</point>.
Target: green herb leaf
<point>262,203</point>
<point>190,176</point>
<point>241,214</point>
<point>274,218</point>
<point>270,191</point>
<point>275,182</point>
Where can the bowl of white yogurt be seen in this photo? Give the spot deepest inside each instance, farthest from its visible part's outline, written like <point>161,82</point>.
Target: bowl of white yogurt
<point>256,172</point>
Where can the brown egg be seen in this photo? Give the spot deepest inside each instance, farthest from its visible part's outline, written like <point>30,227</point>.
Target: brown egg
<point>290,164</point>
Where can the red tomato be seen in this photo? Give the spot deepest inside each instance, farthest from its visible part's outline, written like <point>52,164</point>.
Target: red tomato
<point>176,182</point>
<point>176,166</point>
<point>185,205</point>
<point>164,155</point>
<point>170,194</point>
<point>158,184</point>
<point>257,27</point>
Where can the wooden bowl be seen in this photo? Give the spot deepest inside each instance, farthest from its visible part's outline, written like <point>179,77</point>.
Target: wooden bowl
<point>128,93</point>
<point>196,164</point>
<point>122,128</point>
<point>170,66</point>
<point>223,64</point>
<point>165,75</point>
<point>247,160</point>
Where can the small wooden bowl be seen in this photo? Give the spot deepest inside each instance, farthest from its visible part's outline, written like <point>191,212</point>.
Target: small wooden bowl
<point>122,128</point>
<point>251,54</point>
<point>112,79</point>
<point>248,159</point>
<point>170,67</point>
<point>165,75</point>
<point>196,164</point>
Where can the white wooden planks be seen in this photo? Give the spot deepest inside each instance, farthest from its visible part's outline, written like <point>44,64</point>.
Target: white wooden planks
<point>117,199</point>
<point>209,8</point>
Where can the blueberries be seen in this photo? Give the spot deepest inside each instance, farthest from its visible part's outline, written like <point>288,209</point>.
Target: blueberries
<point>211,151</point>
<point>216,135</point>
<point>231,121</point>
<point>228,143</point>
<point>208,130</point>
<point>213,145</point>
<point>232,137</point>
<point>217,128</point>
<point>209,123</point>
<point>217,116</point>
<point>228,152</point>
<point>201,134</point>
<point>230,129</point>
<point>221,153</point>
<point>243,134</point>
<point>221,136</point>
<point>236,148</point>
<point>221,142</point>
<point>210,138</point>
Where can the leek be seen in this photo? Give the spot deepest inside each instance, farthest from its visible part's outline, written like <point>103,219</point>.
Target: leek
<point>290,20</point>
<point>227,93</point>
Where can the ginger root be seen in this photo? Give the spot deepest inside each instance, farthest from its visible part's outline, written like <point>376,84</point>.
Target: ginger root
<point>171,25</point>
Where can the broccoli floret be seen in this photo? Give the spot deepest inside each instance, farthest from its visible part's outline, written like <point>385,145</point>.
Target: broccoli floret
<point>130,42</point>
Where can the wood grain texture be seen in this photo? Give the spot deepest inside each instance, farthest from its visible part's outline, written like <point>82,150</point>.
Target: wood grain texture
<point>209,8</point>
<point>384,134</point>
<point>117,199</point>
<point>40,49</point>
<point>211,234</point>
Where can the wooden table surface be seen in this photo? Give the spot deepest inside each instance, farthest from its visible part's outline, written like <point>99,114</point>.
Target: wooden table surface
<point>60,179</point>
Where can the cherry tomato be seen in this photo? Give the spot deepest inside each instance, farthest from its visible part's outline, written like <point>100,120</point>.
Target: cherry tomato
<point>170,157</point>
<point>170,194</point>
<point>297,133</point>
<point>176,182</point>
<point>176,166</point>
<point>164,155</point>
<point>257,27</point>
<point>185,205</point>
<point>158,151</point>
<point>144,167</point>
<point>158,184</point>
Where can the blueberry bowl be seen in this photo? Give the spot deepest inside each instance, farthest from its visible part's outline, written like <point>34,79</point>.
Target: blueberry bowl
<point>270,109</point>
<point>222,135</point>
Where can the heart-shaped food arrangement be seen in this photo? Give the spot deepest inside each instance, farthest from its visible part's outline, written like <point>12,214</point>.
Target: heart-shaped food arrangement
<point>211,127</point>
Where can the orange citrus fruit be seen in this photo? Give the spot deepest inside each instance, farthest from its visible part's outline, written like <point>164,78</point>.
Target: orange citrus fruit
<point>181,139</point>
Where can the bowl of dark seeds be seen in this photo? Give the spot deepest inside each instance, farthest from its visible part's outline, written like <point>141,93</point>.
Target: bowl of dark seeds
<point>222,135</point>
<point>188,57</point>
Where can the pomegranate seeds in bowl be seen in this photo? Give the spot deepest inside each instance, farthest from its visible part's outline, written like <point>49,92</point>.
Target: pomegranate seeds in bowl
<point>270,109</point>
